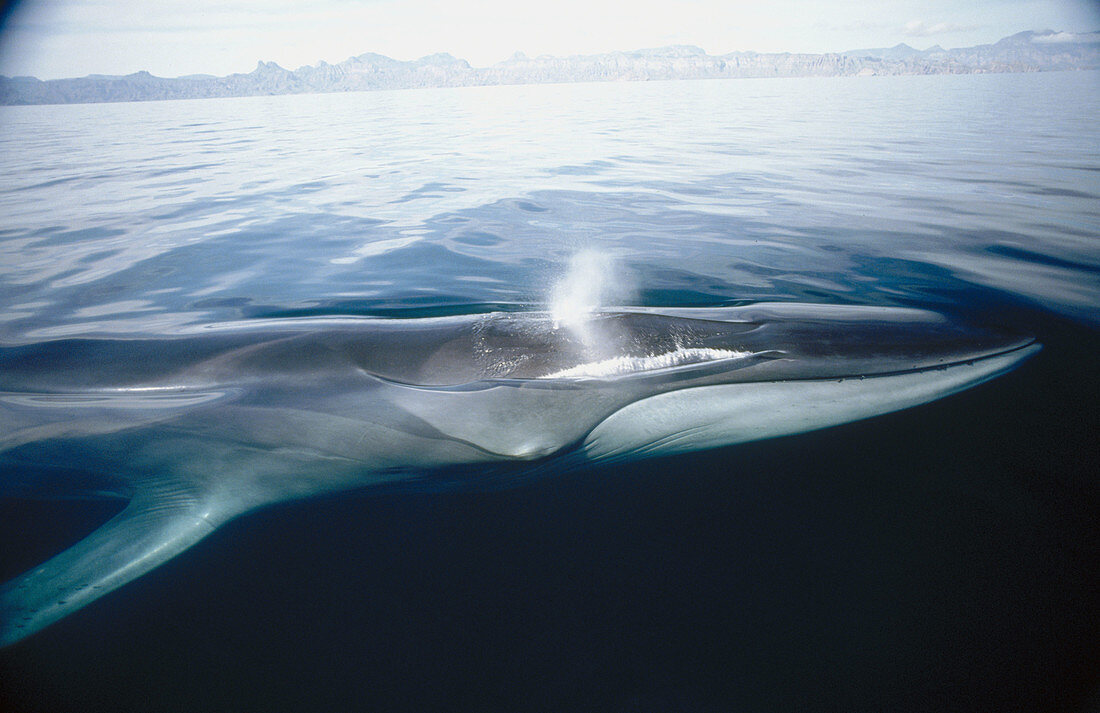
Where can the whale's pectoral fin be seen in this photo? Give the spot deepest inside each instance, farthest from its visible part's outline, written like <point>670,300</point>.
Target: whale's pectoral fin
<point>152,529</point>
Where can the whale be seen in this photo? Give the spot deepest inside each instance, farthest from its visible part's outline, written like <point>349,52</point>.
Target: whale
<point>195,428</point>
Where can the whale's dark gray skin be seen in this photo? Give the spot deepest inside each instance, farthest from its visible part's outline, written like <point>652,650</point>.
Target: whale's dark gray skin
<point>198,428</point>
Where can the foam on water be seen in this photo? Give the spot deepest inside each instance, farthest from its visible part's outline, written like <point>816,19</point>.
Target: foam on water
<point>618,366</point>
<point>591,282</point>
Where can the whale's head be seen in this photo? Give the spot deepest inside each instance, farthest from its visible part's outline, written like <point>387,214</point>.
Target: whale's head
<point>637,382</point>
<point>524,385</point>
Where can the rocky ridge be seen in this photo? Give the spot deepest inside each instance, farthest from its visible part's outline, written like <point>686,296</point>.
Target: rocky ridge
<point>1022,52</point>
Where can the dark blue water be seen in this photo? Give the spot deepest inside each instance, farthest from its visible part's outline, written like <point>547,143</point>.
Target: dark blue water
<point>943,558</point>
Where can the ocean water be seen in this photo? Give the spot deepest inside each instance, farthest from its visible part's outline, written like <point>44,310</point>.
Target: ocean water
<point>942,558</point>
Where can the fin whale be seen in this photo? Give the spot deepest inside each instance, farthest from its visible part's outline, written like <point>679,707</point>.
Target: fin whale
<point>196,429</point>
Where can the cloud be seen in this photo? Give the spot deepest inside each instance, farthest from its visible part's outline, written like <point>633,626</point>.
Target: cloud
<point>1061,37</point>
<point>920,28</point>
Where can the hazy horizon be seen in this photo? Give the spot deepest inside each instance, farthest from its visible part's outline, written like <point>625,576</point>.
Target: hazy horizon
<point>169,39</point>
<point>608,51</point>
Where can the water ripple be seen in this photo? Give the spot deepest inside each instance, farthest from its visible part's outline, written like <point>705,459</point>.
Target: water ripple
<point>902,190</point>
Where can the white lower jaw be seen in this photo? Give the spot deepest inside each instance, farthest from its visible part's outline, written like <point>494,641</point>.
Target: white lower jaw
<point>711,416</point>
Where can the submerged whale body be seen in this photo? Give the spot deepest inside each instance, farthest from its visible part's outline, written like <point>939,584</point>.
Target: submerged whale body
<point>199,428</point>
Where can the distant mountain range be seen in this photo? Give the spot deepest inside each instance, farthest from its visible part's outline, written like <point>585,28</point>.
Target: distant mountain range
<point>1022,52</point>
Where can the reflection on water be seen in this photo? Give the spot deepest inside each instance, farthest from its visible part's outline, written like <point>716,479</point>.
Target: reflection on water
<point>171,213</point>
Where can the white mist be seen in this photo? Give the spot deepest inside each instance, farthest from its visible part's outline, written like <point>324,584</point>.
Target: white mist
<point>591,282</point>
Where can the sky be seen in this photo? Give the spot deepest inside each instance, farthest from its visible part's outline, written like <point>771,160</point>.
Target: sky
<point>51,39</point>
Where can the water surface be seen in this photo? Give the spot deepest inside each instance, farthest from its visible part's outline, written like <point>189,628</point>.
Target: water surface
<point>939,559</point>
